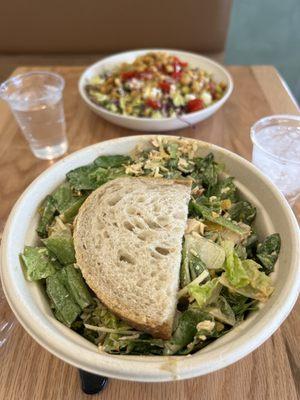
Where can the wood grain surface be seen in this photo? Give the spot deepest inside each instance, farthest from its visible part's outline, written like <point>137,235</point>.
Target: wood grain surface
<point>29,372</point>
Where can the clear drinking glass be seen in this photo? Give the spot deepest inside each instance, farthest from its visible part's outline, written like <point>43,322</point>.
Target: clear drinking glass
<point>276,152</point>
<point>35,99</point>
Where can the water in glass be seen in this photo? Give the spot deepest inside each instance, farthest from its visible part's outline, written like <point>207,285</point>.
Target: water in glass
<point>36,102</point>
<point>276,152</point>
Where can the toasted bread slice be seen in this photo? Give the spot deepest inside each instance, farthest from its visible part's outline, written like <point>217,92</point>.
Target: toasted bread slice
<point>128,241</point>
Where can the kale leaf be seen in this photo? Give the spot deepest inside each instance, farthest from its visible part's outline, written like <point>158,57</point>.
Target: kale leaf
<point>47,214</point>
<point>268,251</point>
<point>225,189</point>
<point>102,170</point>
<point>242,211</point>
<point>208,170</point>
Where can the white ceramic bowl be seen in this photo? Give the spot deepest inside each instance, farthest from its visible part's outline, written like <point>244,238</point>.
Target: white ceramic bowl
<point>30,305</point>
<point>149,124</point>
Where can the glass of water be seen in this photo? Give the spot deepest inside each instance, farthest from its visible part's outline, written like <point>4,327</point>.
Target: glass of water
<point>35,99</point>
<point>276,152</point>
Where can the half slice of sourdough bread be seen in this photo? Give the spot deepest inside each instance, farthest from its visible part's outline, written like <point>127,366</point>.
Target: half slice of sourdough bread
<point>128,241</point>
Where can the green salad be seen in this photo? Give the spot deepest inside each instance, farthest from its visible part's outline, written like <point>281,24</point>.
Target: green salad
<point>225,269</point>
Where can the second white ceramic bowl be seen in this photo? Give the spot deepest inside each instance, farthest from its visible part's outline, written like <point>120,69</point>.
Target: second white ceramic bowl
<point>219,73</point>
<point>31,307</point>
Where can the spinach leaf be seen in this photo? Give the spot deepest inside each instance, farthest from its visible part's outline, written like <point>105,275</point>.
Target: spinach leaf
<point>242,211</point>
<point>213,203</point>
<point>81,179</point>
<point>144,345</point>
<point>60,243</point>
<point>47,213</point>
<point>70,213</point>
<point>102,175</point>
<point>65,198</point>
<point>206,213</point>
<point>98,315</point>
<point>241,251</point>
<point>268,251</point>
<point>196,266</point>
<point>239,304</point>
<point>221,311</point>
<point>66,309</point>
<point>38,263</point>
<point>186,330</point>
<point>103,169</point>
<point>250,244</point>
<point>76,286</point>
<point>112,161</point>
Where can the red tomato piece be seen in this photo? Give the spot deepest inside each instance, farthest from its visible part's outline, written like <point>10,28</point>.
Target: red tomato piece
<point>179,62</point>
<point>129,75</point>
<point>153,104</point>
<point>164,86</point>
<point>176,75</point>
<point>194,105</point>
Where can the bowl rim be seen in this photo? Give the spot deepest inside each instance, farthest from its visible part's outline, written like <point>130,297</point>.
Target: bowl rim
<point>212,107</point>
<point>136,368</point>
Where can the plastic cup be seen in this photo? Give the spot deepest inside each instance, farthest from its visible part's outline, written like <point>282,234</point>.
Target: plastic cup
<point>276,152</point>
<point>35,98</point>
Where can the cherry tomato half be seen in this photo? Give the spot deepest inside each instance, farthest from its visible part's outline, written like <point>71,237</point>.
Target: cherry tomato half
<point>181,63</point>
<point>164,86</point>
<point>129,75</point>
<point>194,105</point>
<point>176,75</point>
<point>153,104</point>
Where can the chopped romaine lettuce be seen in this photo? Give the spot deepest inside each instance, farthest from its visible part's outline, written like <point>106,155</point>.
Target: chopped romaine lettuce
<point>235,273</point>
<point>206,293</point>
<point>244,277</point>
<point>211,254</point>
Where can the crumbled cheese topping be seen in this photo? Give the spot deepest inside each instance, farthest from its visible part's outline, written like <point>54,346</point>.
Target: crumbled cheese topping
<point>134,169</point>
<point>205,326</point>
<point>193,225</point>
<point>214,214</point>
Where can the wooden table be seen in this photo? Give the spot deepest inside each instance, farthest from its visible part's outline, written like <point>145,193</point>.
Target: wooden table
<point>29,372</point>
